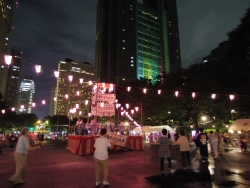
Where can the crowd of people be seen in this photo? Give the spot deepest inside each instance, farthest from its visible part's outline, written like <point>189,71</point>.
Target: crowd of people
<point>10,139</point>
<point>95,126</point>
<point>215,140</point>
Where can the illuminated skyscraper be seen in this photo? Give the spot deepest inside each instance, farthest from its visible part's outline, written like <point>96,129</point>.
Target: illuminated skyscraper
<point>72,93</point>
<point>135,40</point>
<point>12,81</point>
<point>26,95</point>
<point>7,11</point>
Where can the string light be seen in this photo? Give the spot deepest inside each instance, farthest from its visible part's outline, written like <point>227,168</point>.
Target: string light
<point>70,78</point>
<point>231,97</point>
<point>193,94</point>
<point>56,73</point>
<point>176,93</point>
<point>8,59</point>
<point>38,68</point>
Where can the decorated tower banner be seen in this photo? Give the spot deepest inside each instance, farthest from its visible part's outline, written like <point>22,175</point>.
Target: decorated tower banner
<point>103,99</point>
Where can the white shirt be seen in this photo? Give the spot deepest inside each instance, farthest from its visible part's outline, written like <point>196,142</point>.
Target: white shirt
<point>22,144</point>
<point>183,142</point>
<point>101,148</point>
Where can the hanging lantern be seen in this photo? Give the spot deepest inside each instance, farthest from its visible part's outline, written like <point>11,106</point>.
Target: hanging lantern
<point>66,96</point>
<point>136,109</point>
<point>56,73</point>
<point>193,94</point>
<point>128,89</point>
<point>3,111</point>
<point>145,90</point>
<point>159,92</point>
<point>77,106</point>
<point>22,106</point>
<point>231,97</point>
<point>213,96</point>
<point>55,99</point>
<point>78,93</point>
<point>80,112</point>
<point>8,59</point>
<point>121,108</point>
<point>102,104</point>
<point>117,105</point>
<point>81,80</point>
<point>90,82</point>
<point>127,106</point>
<point>33,105</point>
<point>43,101</point>
<point>176,93</point>
<point>38,68</point>
<point>89,114</point>
<point>132,111</point>
<point>86,102</point>
<point>13,109</point>
<point>70,78</point>
<point>122,113</point>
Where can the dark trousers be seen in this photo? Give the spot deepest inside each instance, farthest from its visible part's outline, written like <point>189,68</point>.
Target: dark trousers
<point>204,151</point>
<point>185,155</point>
<point>162,163</point>
<point>12,144</point>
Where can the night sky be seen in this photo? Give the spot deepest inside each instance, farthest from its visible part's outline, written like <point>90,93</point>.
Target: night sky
<point>47,32</point>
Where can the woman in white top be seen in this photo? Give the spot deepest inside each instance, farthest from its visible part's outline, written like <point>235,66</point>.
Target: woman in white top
<point>20,156</point>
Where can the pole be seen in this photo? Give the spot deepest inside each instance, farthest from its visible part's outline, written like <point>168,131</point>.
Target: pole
<point>141,120</point>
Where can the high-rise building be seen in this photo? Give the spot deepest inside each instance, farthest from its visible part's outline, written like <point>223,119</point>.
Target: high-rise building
<point>52,101</point>
<point>73,87</point>
<point>12,81</point>
<point>26,95</point>
<point>135,40</point>
<point>7,10</point>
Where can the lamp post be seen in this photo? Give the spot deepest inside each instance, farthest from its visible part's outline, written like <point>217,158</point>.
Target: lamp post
<point>204,118</point>
<point>232,112</point>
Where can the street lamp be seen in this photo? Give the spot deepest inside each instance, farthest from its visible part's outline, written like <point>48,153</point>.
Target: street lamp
<point>204,118</point>
<point>232,112</point>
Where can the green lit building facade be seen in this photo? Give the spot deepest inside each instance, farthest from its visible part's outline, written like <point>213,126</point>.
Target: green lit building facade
<point>135,40</point>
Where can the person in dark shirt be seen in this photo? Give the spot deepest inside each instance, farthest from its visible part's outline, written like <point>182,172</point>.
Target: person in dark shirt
<point>202,142</point>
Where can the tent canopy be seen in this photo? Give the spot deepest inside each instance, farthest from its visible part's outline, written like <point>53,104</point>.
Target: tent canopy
<point>240,124</point>
<point>153,128</point>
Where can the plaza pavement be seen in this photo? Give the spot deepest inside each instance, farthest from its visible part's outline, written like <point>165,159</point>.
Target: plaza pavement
<point>56,167</point>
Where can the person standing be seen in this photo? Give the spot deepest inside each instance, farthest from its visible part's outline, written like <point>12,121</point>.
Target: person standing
<point>214,143</point>
<point>101,160</point>
<point>12,141</point>
<point>184,149</point>
<point>202,138</point>
<point>164,150</point>
<point>20,156</point>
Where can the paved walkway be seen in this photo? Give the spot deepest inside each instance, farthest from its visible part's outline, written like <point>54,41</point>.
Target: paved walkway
<point>57,167</point>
